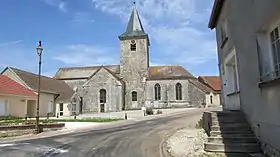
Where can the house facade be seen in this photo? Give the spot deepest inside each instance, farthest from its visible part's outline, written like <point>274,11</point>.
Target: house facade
<point>212,97</point>
<point>248,42</point>
<point>133,83</point>
<point>15,99</point>
<point>56,97</point>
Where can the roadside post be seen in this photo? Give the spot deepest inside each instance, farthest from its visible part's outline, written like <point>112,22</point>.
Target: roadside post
<point>144,110</point>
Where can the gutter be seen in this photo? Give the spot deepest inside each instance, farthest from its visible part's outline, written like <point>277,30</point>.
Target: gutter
<point>56,96</point>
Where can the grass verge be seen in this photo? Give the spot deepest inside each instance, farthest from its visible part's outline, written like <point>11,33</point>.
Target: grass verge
<point>19,121</point>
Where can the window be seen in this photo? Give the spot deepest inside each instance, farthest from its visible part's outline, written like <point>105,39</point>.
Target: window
<point>102,95</point>
<point>133,45</point>
<point>74,109</point>
<point>61,109</point>
<point>211,99</point>
<point>178,91</point>
<point>223,32</point>
<point>275,47</point>
<point>157,92</point>
<point>81,105</point>
<point>134,96</point>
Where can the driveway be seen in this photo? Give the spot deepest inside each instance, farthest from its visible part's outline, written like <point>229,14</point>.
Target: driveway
<point>141,138</point>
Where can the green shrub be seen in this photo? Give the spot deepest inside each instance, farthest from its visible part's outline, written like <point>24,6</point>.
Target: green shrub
<point>199,124</point>
<point>149,111</point>
<point>159,112</point>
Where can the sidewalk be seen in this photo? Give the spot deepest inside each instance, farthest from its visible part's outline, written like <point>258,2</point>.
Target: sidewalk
<point>135,114</point>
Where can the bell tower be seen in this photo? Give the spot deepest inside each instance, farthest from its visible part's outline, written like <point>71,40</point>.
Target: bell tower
<point>134,61</point>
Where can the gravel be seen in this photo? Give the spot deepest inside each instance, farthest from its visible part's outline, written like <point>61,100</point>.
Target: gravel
<point>187,142</point>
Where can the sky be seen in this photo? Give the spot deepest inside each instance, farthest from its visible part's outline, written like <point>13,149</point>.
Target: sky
<point>85,32</point>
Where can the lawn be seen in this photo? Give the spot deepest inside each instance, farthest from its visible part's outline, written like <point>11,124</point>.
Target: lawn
<point>16,120</point>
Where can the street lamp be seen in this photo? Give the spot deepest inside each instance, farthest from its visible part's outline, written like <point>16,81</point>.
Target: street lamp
<point>39,52</point>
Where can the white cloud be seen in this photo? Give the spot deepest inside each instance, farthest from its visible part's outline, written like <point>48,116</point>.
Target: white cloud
<point>10,43</point>
<point>178,28</point>
<point>88,55</point>
<point>82,17</point>
<point>60,4</point>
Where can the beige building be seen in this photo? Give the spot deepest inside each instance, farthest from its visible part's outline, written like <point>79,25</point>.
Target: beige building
<point>15,99</point>
<point>55,97</point>
<point>212,97</point>
<point>248,44</point>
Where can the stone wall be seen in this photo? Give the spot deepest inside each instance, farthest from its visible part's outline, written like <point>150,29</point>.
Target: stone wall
<point>103,80</point>
<point>196,95</point>
<point>168,94</point>
<point>133,70</point>
<point>75,83</point>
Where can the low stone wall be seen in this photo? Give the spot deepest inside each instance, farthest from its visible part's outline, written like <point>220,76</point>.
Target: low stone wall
<point>19,130</point>
<point>207,122</point>
<point>31,126</point>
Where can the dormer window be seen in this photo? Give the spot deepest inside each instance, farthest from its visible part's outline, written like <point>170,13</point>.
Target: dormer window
<point>133,45</point>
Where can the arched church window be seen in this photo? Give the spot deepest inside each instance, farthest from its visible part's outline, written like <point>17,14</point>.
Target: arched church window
<point>133,45</point>
<point>134,96</point>
<point>178,91</point>
<point>157,92</point>
<point>102,96</point>
<point>211,99</point>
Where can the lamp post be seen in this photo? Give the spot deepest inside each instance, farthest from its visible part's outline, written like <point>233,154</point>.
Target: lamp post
<point>39,52</point>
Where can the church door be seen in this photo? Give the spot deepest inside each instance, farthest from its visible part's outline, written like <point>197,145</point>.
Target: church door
<point>102,108</point>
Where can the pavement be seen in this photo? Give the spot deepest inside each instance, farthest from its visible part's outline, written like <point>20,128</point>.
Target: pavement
<point>130,138</point>
<point>131,114</point>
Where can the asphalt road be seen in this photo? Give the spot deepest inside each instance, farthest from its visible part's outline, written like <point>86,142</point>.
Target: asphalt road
<point>132,138</point>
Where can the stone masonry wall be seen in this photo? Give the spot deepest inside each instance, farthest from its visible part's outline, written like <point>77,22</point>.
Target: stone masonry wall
<point>196,95</point>
<point>75,83</point>
<point>133,68</point>
<point>103,80</point>
<point>168,93</point>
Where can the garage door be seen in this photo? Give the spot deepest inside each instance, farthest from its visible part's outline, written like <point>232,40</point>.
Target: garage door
<point>2,108</point>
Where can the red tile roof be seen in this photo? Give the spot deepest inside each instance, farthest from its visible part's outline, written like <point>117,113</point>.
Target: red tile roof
<point>211,81</point>
<point>11,87</point>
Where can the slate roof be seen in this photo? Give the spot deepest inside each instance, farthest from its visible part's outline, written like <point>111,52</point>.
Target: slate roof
<point>211,81</point>
<point>48,85</point>
<point>134,26</point>
<point>11,87</point>
<point>82,72</point>
<point>155,72</point>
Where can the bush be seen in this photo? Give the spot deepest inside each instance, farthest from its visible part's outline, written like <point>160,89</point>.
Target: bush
<point>199,124</point>
<point>149,111</point>
<point>159,112</point>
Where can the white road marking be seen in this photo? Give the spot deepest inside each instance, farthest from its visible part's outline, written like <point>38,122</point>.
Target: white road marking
<point>61,151</point>
<point>7,145</point>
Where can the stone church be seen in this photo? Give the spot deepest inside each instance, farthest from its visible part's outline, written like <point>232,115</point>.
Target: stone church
<point>133,83</point>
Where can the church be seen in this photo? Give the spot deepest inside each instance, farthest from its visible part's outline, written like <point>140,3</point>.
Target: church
<point>133,83</point>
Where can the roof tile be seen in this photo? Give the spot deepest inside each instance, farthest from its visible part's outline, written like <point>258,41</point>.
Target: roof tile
<point>48,84</point>
<point>211,81</point>
<point>11,87</point>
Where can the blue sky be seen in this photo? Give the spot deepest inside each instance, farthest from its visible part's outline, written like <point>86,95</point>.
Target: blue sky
<point>85,32</point>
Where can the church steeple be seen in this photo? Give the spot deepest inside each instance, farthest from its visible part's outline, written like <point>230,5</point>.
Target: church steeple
<point>134,27</point>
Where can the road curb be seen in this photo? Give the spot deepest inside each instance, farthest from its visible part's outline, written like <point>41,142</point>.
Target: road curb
<point>163,145</point>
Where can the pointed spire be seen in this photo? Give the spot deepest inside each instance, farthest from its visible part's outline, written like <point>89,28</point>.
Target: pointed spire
<point>134,26</point>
